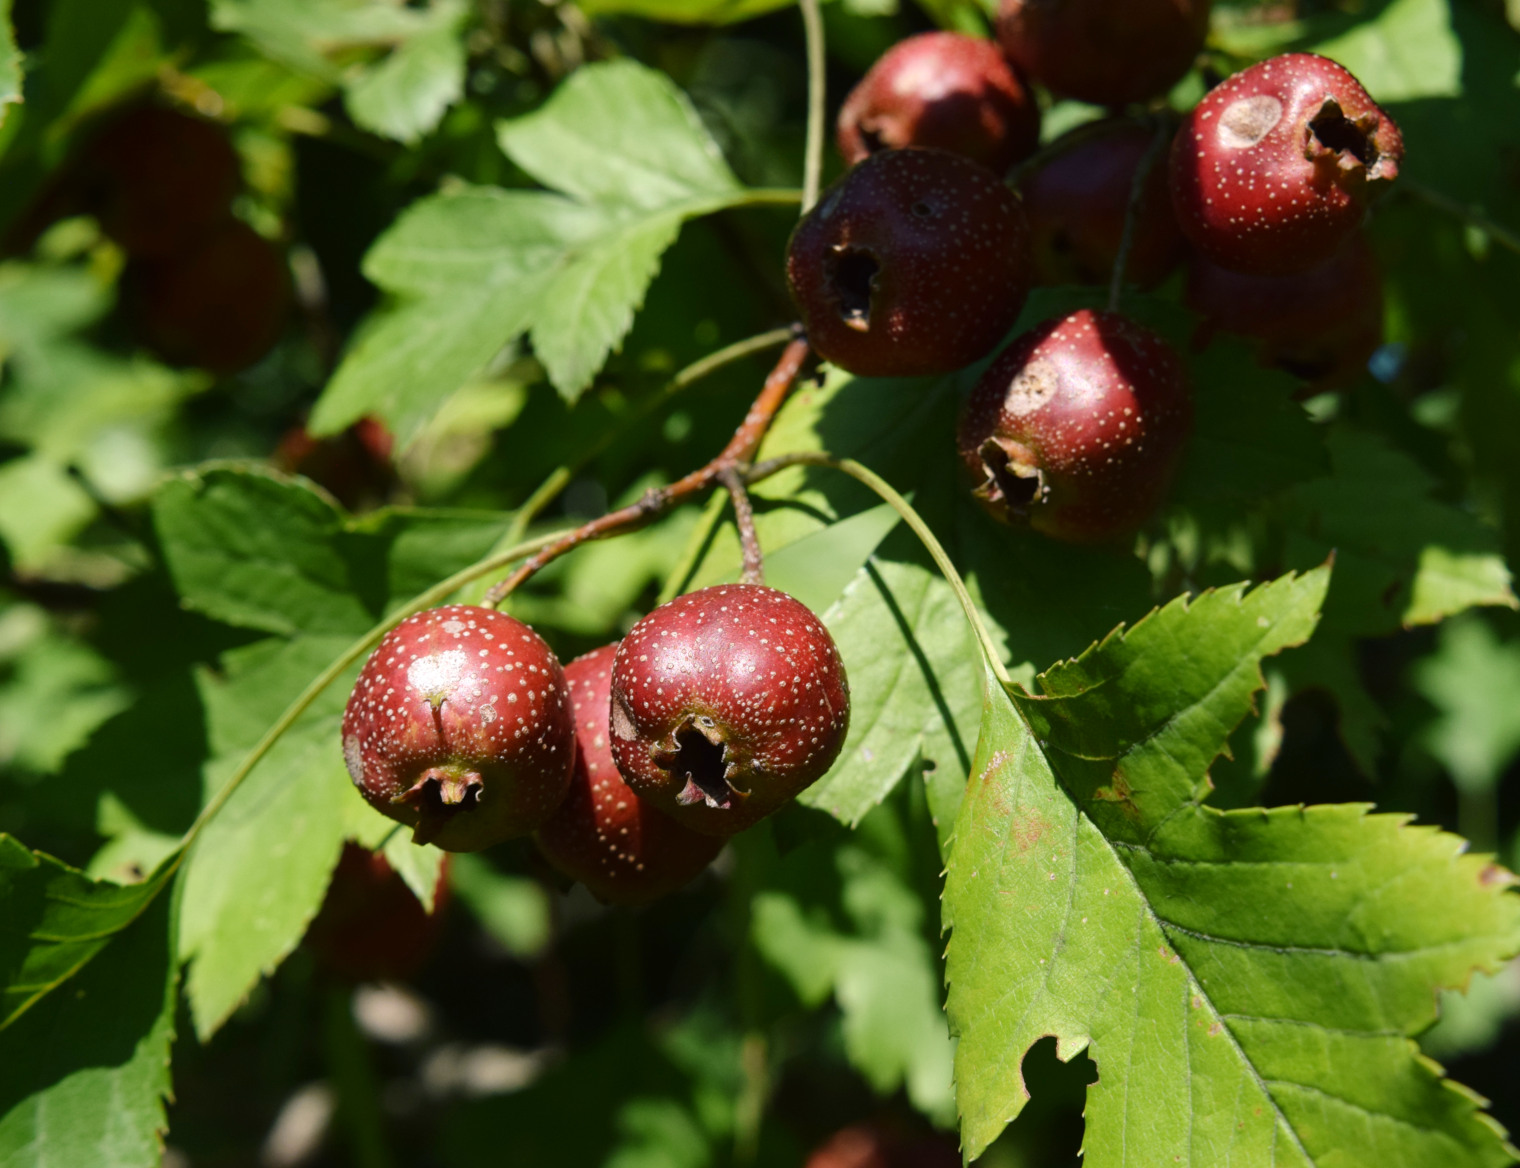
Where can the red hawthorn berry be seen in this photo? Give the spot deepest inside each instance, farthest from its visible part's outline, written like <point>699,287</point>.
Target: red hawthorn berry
<point>371,927</point>
<point>605,836</point>
<point>219,304</point>
<point>915,262</point>
<point>946,90</point>
<point>1077,198</point>
<point>1272,171</point>
<point>883,1145</point>
<point>459,726</point>
<point>1108,52</point>
<point>158,179</point>
<point>1076,428</point>
<point>725,703</point>
<point>354,467</point>
<point>1321,325</point>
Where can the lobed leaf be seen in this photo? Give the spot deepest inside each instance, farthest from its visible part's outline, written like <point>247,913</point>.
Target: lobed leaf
<point>475,269</point>
<point>86,1074</point>
<point>1247,981</point>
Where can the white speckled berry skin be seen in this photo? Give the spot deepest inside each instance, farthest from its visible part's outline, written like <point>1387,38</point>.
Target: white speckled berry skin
<point>605,836</point>
<point>946,90</point>
<point>465,690</point>
<point>953,264</point>
<point>1255,189</point>
<point>1095,409</point>
<point>765,672</point>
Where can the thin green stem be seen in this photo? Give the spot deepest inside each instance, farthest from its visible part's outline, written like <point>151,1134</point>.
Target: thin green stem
<point>885,491</point>
<point>353,653</point>
<point>812,158</point>
<point>1132,211</point>
<point>1504,236</point>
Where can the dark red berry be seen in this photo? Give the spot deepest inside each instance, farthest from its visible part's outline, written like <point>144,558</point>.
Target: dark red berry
<point>1272,171</point>
<point>884,1145</point>
<point>371,927</point>
<point>605,836</point>
<point>459,726</point>
<point>1077,198</point>
<point>158,179</point>
<point>1321,325</point>
<point>1108,52</point>
<point>725,703</point>
<point>942,89</point>
<point>354,466</point>
<point>1075,429</point>
<point>219,304</point>
<point>915,262</point>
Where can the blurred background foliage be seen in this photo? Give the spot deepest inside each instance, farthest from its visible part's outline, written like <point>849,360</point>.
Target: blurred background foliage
<point>795,989</point>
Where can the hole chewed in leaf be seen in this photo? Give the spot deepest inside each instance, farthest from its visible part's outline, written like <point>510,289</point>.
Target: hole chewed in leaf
<point>852,279</point>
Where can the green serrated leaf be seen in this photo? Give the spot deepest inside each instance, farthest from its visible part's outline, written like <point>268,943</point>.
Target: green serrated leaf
<point>1408,52</point>
<point>1246,981</point>
<point>406,95</point>
<point>620,135</point>
<point>86,1073</point>
<point>1402,558</point>
<point>915,696</point>
<point>254,550</point>
<point>477,268</point>
<point>303,33</point>
<point>54,920</point>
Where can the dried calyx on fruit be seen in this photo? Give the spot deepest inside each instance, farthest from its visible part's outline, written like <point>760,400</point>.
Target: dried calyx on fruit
<point>915,262</point>
<point>371,927</point>
<point>1321,325</point>
<point>1108,52</point>
<point>1272,171</point>
<point>1076,428</point>
<point>1077,197</point>
<point>946,90</point>
<point>726,702</point>
<point>605,836</point>
<point>459,726</point>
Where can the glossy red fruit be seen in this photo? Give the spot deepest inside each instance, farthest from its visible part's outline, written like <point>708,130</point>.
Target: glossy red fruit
<point>220,304</point>
<point>1321,325</point>
<point>915,262</point>
<point>1076,428</point>
<point>941,89</point>
<point>725,703</point>
<point>1077,197</point>
<point>158,179</point>
<point>605,836</point>
<point>879,1145</point>
<point>460,727</point>
<point>371,927</point>
<point>1272,171</point>
<point>1108,52</point>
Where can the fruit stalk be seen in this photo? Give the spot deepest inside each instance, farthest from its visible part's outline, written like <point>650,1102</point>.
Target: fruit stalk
<point>1132,212</point>
<point>657,501</point>
<point>744,519</point>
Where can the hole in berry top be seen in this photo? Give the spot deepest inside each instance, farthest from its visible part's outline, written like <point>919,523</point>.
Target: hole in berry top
<point>700,763</point>
<point>1015,485</point>
<point>923,210</point>
<point>1335,131</point>
<point>852,277</point>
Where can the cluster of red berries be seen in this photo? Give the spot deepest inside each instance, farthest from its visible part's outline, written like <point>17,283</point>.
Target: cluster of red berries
<point>632,764</point>
<point>919,260</point>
